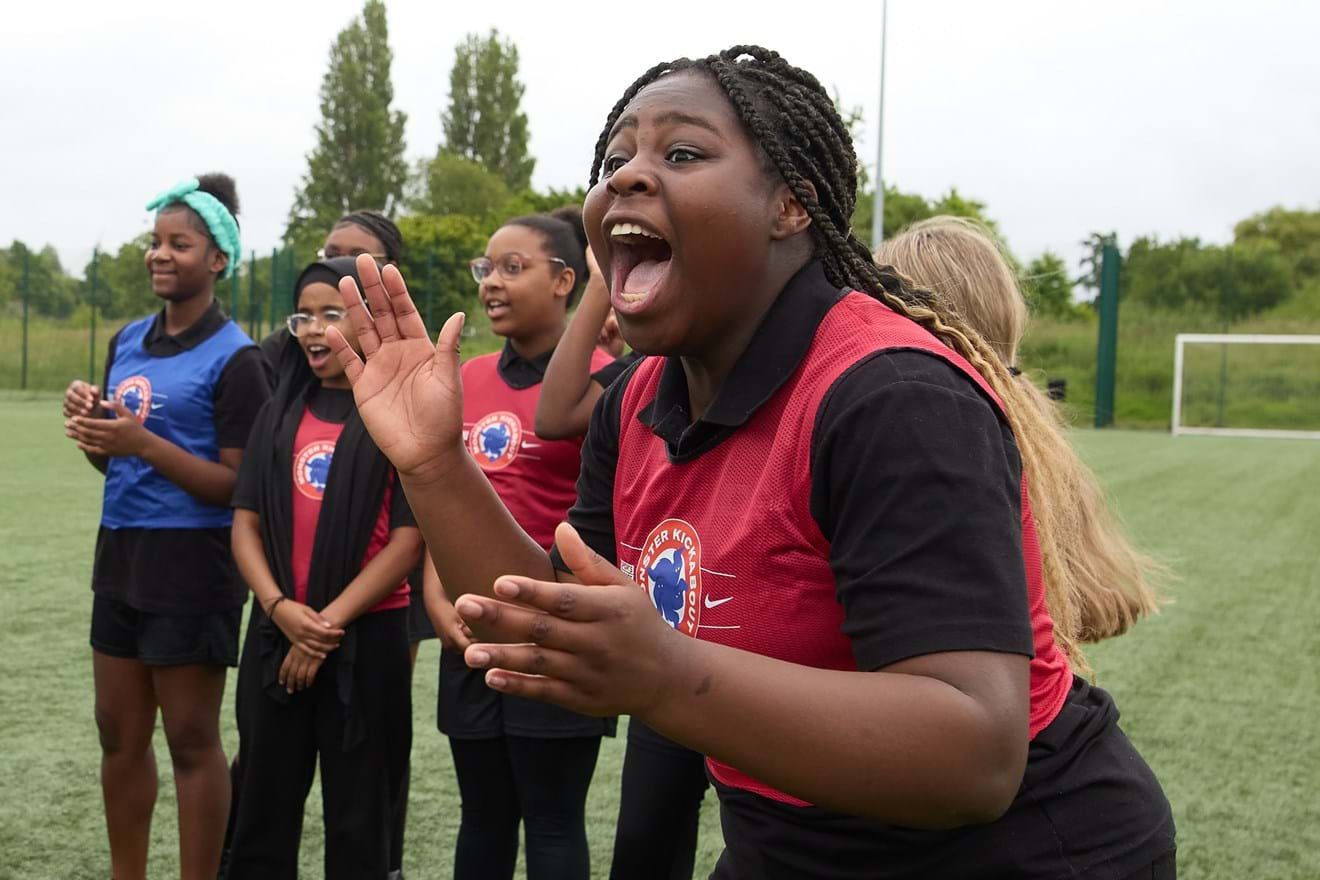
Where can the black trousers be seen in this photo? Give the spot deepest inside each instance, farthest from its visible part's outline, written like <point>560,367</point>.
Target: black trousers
<point>659,807</point>
<point>281,742</point>
<point>541,782</point>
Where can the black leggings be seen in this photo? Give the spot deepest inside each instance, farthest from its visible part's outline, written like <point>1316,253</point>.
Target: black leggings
<point>541,781</point>
<point>663,785</point>
<point>281,744</point>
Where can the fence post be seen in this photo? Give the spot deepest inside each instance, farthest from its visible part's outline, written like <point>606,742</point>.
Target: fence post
<point>274,278</point>
<point>233,297</point>
<point>26,297</point>
<point>91,298</point>
<point>1106,352</point>
<point>252,293</point>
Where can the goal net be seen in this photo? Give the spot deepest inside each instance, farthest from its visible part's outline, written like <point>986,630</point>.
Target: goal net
<point>1246,385</point>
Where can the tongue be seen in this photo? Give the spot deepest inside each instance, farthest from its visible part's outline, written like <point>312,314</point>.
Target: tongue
<point>644,276</point>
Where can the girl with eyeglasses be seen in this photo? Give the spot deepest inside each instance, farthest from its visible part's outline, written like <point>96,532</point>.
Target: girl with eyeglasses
<point>324,539</point>
<point>377,236</point>
<point>518,760</point>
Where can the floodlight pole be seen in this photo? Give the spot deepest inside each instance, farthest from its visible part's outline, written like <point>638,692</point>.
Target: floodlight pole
<point>878,221</point>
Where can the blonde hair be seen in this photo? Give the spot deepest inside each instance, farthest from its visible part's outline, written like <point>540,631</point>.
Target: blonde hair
<point>1097,583</point>
<point>968,269</point>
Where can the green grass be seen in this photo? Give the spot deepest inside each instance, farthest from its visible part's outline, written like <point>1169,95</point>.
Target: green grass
<point>1221,692</point>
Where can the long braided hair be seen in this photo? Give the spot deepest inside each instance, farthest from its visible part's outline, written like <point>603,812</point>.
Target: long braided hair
<point>794,121</point>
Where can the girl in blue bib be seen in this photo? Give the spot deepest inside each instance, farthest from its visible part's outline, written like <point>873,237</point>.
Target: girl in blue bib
<point>167,428</point>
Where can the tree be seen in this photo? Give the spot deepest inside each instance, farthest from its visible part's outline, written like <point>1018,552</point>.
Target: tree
<point>1090,264</point>
<point>484,121</point>
<point>123,289</point>
<point>1048,288</point>
<point>358,159</point>
<point>1231,282</point>
<point>902,209</point>
<point>50,291</point>
<point>436,261</point>
<point>454,184</point>
<point>1296,233</point>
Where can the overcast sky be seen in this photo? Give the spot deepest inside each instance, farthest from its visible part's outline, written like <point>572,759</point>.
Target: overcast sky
<point>1173,118</point>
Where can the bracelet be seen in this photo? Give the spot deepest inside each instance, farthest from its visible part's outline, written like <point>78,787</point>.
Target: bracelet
<point>270,612</point>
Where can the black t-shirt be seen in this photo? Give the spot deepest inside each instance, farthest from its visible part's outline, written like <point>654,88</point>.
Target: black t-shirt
<point>465,707</point>
<point>185,571</point>
<point>916,483</point>
<point>605,376</point>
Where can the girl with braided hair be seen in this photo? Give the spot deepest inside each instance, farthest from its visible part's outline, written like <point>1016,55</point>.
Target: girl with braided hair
<point>830,473</point>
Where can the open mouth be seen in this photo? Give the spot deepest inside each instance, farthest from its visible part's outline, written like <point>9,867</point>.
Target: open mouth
<point>496,308</point>
<point>639,265</point>
<point>317,356</point>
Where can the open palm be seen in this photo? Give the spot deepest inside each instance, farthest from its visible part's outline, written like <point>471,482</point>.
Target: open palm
<point>408,391</point>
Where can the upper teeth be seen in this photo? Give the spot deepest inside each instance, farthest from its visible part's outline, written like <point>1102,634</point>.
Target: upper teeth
<point>631,229</point>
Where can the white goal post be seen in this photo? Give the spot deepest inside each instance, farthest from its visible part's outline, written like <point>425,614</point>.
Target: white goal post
<point>1247,338</point>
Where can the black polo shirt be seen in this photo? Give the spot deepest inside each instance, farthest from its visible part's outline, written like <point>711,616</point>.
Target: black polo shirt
<point>606,375</point>
<point>520,372</point>
<point>185,571</point>
<point>915,482</point>
<point>465,707</point>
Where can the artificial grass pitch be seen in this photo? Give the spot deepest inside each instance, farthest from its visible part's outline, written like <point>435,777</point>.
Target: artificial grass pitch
<point>1221,692</point>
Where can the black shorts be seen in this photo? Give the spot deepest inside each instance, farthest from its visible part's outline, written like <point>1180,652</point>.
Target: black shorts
<point>210,638</point>
<point>420,627</point>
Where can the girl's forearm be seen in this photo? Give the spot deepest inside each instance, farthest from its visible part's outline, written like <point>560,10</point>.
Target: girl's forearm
<point>469,533</point>
<point>250,556</point>
<point>433,592</point>
<point>564,407</point>
<point>909,748</point>
<point>377,579</point>
<point>211,482</point>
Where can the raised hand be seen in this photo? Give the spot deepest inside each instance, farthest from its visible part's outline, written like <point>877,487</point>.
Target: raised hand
<point>408,391</point>
<point>598,647</point>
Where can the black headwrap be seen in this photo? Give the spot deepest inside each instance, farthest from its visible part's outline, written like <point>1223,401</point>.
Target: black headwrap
<point>354,492</point>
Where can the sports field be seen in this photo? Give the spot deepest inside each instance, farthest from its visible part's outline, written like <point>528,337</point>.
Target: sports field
<point>1221,692</point>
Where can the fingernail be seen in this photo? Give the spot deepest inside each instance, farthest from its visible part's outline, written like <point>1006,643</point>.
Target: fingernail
<point>507,589</point>
<point>478,658</point>
<point>495,680</point>
<point>468,608</point>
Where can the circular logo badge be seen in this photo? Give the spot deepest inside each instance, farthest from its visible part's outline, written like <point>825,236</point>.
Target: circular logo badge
<point>311,468</point>
<point>669,570</point>
<point>495,439</point>
<point>135,393</point>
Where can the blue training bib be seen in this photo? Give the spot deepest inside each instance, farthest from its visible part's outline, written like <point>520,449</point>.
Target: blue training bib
<point>173,397</point>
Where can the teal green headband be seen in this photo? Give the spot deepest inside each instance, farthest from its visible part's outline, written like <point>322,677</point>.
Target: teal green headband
<point>221,223</point>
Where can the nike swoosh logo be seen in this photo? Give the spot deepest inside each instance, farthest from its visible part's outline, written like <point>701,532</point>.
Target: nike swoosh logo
<point>715,603</point>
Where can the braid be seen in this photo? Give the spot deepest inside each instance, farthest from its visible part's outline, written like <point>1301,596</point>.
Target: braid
<point>792,118</point>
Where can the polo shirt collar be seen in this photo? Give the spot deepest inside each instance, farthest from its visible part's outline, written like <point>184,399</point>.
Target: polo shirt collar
<point>200,330</point>
<point>772,355</point>
<point>519,372</point>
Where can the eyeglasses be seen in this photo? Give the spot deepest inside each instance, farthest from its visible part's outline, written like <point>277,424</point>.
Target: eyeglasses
<point>300,323</point>
<point>324,254</point>
<point>510,266</point>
